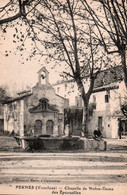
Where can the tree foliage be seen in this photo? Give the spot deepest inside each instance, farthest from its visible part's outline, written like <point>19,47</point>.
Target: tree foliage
<point>124,109</point>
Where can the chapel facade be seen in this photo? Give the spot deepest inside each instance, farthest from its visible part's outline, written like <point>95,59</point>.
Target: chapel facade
<point>36,112</point>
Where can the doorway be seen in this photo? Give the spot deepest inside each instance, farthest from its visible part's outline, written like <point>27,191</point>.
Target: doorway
<point>124,126</point>
<point>100,120</point>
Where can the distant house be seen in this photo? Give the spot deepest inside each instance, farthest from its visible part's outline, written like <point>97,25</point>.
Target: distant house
<point>108,115</point>
<point>108,95</point>
<point>36,112</point>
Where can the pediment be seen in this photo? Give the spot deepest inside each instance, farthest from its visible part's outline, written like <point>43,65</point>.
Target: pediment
<point>43,106</point>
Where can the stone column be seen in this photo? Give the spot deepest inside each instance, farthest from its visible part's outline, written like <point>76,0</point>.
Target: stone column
<point>67,130</point>
<point>5,118</point>
<point>62,125</point>
<point>21,118</point>
<point>44,125</point>
<point>55,126</point>
<point>55,130</point>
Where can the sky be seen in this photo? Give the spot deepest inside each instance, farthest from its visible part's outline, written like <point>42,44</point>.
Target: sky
<point>13,73</point>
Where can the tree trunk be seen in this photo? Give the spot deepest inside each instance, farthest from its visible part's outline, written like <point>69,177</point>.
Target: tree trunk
<point>123,61</point>
<point>85,98</point>
<point>85,117</point>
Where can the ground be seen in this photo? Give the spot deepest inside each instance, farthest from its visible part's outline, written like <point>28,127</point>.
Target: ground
<point>47,172</point>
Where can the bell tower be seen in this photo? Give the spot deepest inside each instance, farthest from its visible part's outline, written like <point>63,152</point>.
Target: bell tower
<point>43,76</point>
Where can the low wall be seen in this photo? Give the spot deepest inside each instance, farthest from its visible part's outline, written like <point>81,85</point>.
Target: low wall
<point>92,145</point>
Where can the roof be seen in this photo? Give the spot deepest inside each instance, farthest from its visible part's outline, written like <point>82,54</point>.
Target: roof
<point>43,69</point>
<point>109,76</point>
<point>106,87</point>
<point>39,108</point>
<point>60,96</point>
<point>61,82</point>
<point>17,98</point>
<point>25,91</point>
<point>105,77</point>
<point>73,108</point>
<point>2,100</point>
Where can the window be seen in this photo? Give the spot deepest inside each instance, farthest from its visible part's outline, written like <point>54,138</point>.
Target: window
<point>15,105</point>
<point>58,89</point>
<point>106,98</point>
<point>100,121</point>
<point>76,101</point>
<point>44,103</point>
<point>10,107</point>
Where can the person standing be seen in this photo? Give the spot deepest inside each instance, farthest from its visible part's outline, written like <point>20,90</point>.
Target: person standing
<point>120,131</point>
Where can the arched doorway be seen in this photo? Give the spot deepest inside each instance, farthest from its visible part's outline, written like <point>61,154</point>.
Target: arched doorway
<point>38,127</point>
<point>49,127</point>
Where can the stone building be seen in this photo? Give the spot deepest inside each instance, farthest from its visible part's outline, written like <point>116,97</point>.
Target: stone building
<point>107,113</point>
<point>105,102</point>
<point>36,112</point>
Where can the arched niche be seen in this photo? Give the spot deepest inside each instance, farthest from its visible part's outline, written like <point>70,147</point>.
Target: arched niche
<point>49,127</point>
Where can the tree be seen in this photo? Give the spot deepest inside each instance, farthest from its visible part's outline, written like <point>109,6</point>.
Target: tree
<point>110,20</point>
<point>57,27</point>
<point>17,7</point>
<point>124,109</point>
<point>4,95</point>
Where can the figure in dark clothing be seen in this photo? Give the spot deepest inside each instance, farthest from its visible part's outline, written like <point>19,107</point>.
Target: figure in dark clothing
<point>120,131</point>
<point>97,134</point>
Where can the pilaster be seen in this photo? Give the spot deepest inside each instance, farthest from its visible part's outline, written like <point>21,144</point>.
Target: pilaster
<point>21,132</point>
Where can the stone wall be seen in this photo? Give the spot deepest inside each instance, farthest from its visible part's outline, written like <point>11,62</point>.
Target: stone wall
<point>14,116</point>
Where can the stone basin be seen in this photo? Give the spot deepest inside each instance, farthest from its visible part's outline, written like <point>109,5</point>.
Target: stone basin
<point>60,143</point>
<point>27,142</point>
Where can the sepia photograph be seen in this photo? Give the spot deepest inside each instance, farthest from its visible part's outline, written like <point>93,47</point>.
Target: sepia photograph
<point>63,97</point>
